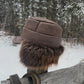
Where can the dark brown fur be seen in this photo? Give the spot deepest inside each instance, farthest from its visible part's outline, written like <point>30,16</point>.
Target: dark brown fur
<point>39,56</point>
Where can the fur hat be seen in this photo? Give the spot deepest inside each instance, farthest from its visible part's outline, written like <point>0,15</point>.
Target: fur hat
<point>41,45</point>
<point>42,31</point>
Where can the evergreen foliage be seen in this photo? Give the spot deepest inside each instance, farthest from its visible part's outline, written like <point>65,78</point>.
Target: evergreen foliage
<point>67,13</point>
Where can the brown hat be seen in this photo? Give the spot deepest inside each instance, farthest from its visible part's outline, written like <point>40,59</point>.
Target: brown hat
<point>42,31</point>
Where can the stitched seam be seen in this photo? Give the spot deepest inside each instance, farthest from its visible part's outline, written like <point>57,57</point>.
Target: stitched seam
<point>43,21</point>
<point>37,26</point>
<point>46,22</point>
<point>40,32</point>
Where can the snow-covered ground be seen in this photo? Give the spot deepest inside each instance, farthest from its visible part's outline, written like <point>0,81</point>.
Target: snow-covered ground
<point>10,64</point>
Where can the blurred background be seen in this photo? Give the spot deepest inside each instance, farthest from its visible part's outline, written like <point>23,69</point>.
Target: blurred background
<point>67,13</point>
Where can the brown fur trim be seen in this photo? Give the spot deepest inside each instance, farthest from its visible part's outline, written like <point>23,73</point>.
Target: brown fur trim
<point>38,70</point>
<point>39,56</point>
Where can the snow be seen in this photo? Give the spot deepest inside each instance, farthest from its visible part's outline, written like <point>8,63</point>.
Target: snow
<point>71,56</point>
<point>10,62</point>
<point>9,59</point>
<point>2,33</point>
<point>82,6</point>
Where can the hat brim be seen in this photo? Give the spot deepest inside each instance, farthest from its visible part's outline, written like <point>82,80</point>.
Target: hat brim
<point>42,39</point>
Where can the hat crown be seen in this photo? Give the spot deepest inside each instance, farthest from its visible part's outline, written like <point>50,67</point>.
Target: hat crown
<point>44,29</point>
<point>44,26</point>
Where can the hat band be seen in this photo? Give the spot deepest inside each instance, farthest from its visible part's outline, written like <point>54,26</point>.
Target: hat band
<point>38,38</point>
